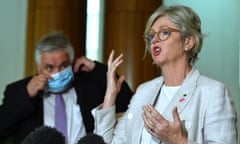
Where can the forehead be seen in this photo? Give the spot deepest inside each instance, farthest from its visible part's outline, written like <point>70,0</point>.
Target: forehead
<point>162,22</point>
<point>54,57</point>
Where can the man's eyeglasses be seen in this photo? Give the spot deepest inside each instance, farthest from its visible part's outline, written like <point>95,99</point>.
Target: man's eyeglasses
<point>163,34</point>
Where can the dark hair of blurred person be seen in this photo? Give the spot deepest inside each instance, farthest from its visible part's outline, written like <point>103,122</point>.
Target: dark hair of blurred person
<point>44,135</point>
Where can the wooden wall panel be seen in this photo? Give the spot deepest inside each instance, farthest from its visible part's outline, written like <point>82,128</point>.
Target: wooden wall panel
<point>44,16</point>
<point>124,27</point>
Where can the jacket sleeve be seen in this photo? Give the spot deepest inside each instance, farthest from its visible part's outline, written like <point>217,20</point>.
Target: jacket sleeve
<point>220,120</point>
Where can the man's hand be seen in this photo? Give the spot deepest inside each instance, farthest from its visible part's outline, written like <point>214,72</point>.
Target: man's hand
<point>83,64</point>
<point>37,83</point>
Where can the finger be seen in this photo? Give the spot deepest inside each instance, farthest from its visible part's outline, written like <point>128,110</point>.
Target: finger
<point>77,64</point>
<point>115,65</point>
<point>176,117</point>
<point>149,126</point>
<point>110,58</point>
<point>121,79</point>
<point>118,59</point>
<point>156,118</point>
<point>146,110</point>
<point>146,125</point>
<point>155,113</point>
<point>149,118</point>
<point>42,80</point>
<point>147,122</point>
<point>45,74</point>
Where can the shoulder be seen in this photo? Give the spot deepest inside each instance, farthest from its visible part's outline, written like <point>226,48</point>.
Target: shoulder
<point>213,90</point>
<point>205,81</point>
<point>19,82</point>
<point>151,84</point>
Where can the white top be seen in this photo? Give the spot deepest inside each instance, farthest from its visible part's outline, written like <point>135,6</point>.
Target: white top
<point>75,126</point>
<point>166,95</point>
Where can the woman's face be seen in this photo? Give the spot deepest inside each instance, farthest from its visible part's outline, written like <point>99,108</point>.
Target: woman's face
<point>169,50</point>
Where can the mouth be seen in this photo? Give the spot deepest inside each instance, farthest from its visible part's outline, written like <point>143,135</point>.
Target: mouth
<point>156,51</point>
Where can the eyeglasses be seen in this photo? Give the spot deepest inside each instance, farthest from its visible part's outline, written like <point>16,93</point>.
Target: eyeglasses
<point>163,34</point>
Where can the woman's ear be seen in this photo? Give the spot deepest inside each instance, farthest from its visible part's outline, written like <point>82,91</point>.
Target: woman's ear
<point>189,42</point>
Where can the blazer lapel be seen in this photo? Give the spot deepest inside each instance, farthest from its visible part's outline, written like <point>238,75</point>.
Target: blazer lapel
<point>183,95</point>
<point>153,97</point>
<point>150,99</point>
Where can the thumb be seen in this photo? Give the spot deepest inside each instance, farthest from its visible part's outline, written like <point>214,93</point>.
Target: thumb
<point>121,79</point>
<point>175,115</point>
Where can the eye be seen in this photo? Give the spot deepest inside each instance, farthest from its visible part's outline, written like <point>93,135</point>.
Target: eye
<point>63,66</point>
<point>49,68</point>
<point>164,32</point>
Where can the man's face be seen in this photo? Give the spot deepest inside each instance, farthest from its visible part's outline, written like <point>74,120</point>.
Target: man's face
<point>53,62</point>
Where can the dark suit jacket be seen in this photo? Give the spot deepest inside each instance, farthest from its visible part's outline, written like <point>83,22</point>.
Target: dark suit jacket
<point>20,115</point>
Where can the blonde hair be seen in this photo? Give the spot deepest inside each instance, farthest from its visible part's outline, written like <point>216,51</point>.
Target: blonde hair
<point>186,20</point>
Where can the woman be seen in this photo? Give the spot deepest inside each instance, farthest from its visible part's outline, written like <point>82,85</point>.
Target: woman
<point>179,107</point>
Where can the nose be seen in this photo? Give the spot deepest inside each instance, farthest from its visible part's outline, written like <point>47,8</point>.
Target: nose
<point>155,39</point>
<point>55,70</point>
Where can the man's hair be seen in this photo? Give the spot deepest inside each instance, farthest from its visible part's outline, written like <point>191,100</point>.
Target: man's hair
<point>91,138</point>
<point>44,135</point>
<point>54,41</point>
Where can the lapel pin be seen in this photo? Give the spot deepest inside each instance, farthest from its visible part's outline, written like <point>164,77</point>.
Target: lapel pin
<point>181,99</point>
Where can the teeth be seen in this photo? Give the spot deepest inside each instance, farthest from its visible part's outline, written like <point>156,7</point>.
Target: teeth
<point>157,49</point>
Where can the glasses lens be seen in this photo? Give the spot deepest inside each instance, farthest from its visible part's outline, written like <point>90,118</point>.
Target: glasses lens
<point>163,34</point>
<point>149,37</point>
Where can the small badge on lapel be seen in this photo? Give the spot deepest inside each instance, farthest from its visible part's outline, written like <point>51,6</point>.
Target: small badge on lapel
<point>182,99</point>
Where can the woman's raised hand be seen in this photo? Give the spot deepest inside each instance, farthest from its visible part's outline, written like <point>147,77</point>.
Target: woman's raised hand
<point>113,82</point>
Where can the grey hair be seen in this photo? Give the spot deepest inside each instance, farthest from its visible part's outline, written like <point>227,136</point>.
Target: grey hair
<point>186,20</point>
<point>53,42</point>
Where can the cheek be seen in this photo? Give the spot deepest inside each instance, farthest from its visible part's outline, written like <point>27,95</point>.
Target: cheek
<point>173,47</point>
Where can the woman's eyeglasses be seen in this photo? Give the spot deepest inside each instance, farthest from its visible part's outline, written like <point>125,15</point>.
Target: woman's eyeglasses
<point>163,34</point>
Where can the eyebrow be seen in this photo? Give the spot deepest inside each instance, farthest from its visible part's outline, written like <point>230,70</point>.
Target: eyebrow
<point>62,64</point>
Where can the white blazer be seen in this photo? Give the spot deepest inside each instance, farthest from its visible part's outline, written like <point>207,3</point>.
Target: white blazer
<point>207,112</point>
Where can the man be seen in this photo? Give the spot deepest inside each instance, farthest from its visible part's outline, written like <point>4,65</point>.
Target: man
<point>30,103</point>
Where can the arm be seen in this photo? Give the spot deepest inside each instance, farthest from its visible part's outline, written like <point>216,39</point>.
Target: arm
<point>220,120</point>
<point>16,106</point>
<point>104,115</point>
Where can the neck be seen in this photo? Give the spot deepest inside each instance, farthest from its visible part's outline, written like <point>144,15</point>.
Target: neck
<point>175,75</point>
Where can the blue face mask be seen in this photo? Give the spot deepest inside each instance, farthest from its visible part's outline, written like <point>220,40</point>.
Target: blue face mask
<point>60,81</point>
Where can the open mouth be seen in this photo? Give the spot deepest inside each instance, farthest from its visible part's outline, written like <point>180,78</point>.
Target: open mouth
<point>156,50</point>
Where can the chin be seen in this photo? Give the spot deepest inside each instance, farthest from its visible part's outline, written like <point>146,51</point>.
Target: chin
<point>157,61</point>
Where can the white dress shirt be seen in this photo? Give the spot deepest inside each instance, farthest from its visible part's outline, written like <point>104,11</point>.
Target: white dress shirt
<point>75,125</point>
